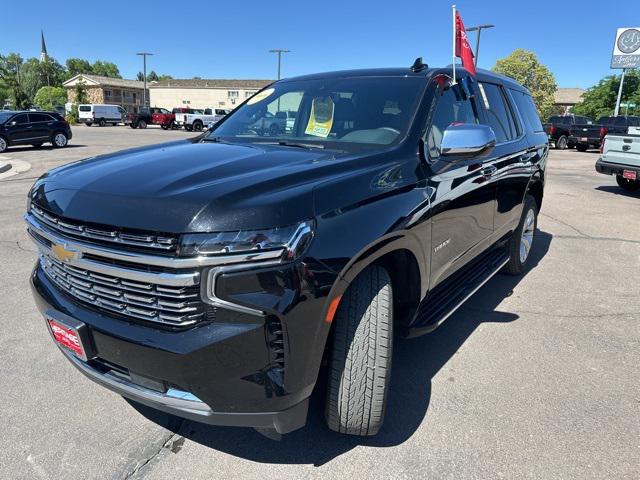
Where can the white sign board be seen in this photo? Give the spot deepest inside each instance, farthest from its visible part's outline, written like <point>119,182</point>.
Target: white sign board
<point>626,49</point>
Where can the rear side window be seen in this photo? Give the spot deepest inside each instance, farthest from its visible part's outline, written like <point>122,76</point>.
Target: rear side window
<point>84,108</point>
<point>499,116</point>
<point>39,117</point>
<point>528,111</point>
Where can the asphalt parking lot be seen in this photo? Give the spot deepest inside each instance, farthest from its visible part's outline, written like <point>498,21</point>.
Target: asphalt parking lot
<point>534,377</point>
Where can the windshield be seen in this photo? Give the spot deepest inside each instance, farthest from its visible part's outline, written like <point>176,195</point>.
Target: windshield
<point>4,116</point>
<point>333,112</point>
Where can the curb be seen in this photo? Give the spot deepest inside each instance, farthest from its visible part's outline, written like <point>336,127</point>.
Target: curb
<point>5,167</point>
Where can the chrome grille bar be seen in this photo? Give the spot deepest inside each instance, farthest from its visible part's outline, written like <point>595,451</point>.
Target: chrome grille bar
<point>178,306</point>
<point>76,229</point>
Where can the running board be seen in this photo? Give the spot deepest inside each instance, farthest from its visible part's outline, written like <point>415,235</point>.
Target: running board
<point>447,298</point>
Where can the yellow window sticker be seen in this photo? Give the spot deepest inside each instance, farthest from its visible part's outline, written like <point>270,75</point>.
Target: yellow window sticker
<point>321,118</point>
<point>258,97</point>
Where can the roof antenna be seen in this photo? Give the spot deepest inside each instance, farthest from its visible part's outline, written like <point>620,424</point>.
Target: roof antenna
<point>418,65</point>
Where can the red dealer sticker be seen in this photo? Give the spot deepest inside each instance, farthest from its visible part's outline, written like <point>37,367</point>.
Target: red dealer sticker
<point>67,337</point>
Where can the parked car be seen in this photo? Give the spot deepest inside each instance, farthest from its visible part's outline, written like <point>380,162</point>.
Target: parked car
<point>621,158</point>
<point>148,116</point>
<point>213,277</point>
<point>270,124</point>
<point>198,119</point>
<point>558,129</point>
<point>33,128</point>
<point>586,136</point>
<point>100,114</point>
<point>164,118</point>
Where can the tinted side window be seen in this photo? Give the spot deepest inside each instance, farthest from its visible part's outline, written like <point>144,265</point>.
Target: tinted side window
<point>527,110</point>
<point>21,119</point>
<point>39,117</point>
<point>449,109</point>
<point>499,116</point>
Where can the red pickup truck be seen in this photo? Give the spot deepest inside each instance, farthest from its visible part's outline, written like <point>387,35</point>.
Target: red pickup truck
<point>164,118</point>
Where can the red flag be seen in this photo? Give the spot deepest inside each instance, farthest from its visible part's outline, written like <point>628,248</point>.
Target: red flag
<point>463,49</point>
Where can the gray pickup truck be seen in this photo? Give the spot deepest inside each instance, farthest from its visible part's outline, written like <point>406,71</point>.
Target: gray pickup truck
<point>621,157</point>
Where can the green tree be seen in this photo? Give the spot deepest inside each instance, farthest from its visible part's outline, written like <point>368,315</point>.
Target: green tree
<point>76,66</point>
<point>105,69</point>
<point>11,80</point>
<point>36,74</point>
<point>600,100</point>
<point>164,77</point>
<point>524,67</point>
<point>140,77</point>
<point>80,91</point>
<point>152,76</point>
<point>48,97</point>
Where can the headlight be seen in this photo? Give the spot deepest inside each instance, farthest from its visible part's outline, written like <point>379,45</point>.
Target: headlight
<point>291,240</point>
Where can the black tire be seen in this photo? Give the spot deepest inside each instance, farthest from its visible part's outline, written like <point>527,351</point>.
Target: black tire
<point>59,140</point>
<point>628,185</point>
<point>133,125</point>
<point>164,127</point>
<point>582,148</point>
<point>188,128</point>
<point>4,144</point>
<point>517,262</point>
<point>88,124</point>
<point>197,126</point>
<point>142,124</point>
<point>274,130</point>
<point>360,368</point>
<point>102,123</point>
<point>561,143</point>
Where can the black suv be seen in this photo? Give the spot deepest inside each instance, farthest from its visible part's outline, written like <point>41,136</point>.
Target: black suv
<point>33,128</point>
<point>210,277</point>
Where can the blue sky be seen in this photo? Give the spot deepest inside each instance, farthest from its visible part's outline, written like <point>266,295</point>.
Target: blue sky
<point>231,39</point>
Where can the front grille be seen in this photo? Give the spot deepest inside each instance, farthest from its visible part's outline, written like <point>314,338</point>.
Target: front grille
<point>105,235</point>
<point>169,305</point>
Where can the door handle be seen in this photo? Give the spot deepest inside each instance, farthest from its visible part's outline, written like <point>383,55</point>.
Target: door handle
<point>489,171</point>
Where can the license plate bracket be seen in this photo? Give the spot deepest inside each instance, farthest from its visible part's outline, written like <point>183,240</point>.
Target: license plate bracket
<point>629,174</point>
<point>70,335</point>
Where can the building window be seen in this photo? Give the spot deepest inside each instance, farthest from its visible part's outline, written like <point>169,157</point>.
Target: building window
<point>232,94</point>
<point>107,94</point>
<point>135,97</point>
<point>249,93</point>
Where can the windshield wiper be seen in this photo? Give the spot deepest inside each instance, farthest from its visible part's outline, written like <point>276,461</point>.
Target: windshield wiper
<point>285,143</point>
<point>213,139</point>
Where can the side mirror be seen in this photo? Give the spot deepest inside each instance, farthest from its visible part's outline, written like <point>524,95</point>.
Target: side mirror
<point>467,139</point>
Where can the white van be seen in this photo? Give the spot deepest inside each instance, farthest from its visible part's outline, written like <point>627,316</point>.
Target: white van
<point>100,114</point>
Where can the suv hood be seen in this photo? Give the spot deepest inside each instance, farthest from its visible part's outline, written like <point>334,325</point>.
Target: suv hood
<point>189,187</point>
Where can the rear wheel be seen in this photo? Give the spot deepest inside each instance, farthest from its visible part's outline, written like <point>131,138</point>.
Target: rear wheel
<point>3,144</point>
<point>102,122</point>
<point>582,148</point>
<point>360,368</point>
<point>88,124</point>
<point>561,143</point>
<point>142,124</point>
<point>197,126</point>
<point>521,242</point>
<point>627,184</point>
<point>188,128</point>
<point>164,126</point>
<point>59,140</point>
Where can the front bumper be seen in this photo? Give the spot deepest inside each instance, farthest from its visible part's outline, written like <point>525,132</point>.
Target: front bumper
<point>220,373</point>
<point>608,168</point>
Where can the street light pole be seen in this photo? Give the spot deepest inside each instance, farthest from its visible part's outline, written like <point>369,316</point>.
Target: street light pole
<point>479,29</point>
<point>279,51</point>
<point>617,109</point>
<point>144,56</point>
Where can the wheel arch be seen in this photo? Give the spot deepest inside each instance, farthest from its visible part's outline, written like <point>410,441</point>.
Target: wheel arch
<point>535,188</point>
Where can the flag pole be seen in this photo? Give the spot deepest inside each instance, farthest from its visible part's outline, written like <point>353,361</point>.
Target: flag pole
<point>453,63</point>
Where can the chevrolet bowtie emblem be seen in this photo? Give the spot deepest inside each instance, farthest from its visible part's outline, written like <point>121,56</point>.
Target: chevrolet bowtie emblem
<point>64,253</point>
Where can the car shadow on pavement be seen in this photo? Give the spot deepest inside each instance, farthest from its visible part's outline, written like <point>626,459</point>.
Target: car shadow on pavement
<point>415,363</point>
<point>618,191</point>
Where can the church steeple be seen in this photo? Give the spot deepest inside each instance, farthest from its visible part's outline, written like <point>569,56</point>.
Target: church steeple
<point>43,48</point>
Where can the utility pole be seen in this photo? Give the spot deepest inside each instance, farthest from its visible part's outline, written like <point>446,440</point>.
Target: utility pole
<point>144,55</point>
<point>279,51</point>
<point>617,110</point>
<point>479,30</point>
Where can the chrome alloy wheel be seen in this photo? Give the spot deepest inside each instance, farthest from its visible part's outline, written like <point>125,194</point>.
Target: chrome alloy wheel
<point>526,240</point>
<point>60,140</point>
<point>3,144</point>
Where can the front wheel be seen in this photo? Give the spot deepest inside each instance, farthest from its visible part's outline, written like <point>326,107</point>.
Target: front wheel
<point>88,124</point>
<point>521,242</point>
<point>360,369</point>
<point>142,124</point>
<point>627,184</point>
